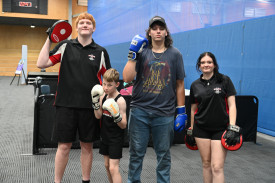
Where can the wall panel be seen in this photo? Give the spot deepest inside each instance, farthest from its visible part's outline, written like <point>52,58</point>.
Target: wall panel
<point>57,9</point>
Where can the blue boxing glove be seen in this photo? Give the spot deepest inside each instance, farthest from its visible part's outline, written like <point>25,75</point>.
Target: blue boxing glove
<point>137,44</point>
<point>180,120</point>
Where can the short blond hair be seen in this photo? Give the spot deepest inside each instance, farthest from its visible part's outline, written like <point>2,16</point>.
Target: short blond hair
<point>111,75</point>
<point>85,16</point>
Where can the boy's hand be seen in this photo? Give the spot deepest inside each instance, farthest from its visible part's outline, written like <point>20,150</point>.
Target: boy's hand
<point>96,92</point>
<point>111,106</point>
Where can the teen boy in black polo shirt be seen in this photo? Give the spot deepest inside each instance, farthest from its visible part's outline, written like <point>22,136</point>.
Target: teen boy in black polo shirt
<point>83,62</point>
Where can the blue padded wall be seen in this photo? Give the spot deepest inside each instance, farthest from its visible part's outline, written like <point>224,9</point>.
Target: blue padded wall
<point>258,66</point>
<point>119,20</point>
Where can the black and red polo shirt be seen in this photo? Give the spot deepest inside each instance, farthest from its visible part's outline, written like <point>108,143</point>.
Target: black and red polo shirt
<point>211,96</point>
<point>80,69</point>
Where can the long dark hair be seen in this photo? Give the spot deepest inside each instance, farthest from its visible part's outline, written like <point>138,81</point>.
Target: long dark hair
<point>168,39</point>
<point>216,69</point>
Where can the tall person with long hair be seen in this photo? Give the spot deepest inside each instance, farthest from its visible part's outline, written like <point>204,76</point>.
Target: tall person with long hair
<point>158,69</point>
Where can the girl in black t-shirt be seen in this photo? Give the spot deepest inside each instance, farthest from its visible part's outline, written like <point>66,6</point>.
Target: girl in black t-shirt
<point>213,108</point>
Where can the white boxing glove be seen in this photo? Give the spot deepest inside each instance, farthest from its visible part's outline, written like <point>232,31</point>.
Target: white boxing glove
<point>96,92</point>
<point>111,106</point>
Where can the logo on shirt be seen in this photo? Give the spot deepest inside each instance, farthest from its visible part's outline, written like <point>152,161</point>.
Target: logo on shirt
<point>217,90</point>
<point>156,76</point>
<point>91,57</point>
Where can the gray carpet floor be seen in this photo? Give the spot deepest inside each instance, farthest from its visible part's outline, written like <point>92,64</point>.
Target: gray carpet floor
<point>252,163</point>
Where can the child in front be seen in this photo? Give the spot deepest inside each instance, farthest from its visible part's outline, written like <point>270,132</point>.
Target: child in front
<point>110,107</point>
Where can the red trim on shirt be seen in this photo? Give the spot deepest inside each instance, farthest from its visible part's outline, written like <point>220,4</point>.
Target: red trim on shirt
<point>55,58</point>
<point>100,73</point>
<point>226,105</point>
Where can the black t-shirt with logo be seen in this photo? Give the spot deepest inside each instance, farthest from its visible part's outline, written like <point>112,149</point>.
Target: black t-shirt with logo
<point>80,69</point>
<point>211,96</point>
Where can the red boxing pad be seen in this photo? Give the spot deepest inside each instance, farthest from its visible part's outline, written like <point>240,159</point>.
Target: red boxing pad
<point>191,147</point>
<point>60,31</point>
<point>231,148</point>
